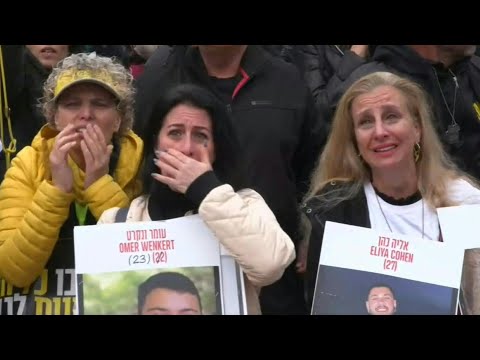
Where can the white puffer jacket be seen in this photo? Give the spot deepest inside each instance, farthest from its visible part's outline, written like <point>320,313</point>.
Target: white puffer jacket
<point>245,226</point>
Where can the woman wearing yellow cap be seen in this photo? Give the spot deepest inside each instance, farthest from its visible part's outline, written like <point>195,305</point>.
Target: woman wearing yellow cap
<point>83,161</point>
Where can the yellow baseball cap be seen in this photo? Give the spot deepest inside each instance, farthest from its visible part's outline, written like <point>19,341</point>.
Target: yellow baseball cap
<point>72,77</point>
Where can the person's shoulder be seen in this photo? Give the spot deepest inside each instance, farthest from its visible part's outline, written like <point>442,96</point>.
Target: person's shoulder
<point>475,60</point>
<point>474,68</point>
<point>161,65</point>
<point>336,186</point>
<point>27,167</point>
<point>288,70</point>
<point>108,216</point>
<point>134,212</point>
<point>161,55</point>
<point>137,208</point>
<point>45,134</point>
<point>248,193</point>
<point>38,150</point>
<point>262,61</point>
<point>347,79</point>
<point>464,191</point>
<point>283,80</point>
<point>25,158</point>
<point>366,69</point>
<point>333,189</point>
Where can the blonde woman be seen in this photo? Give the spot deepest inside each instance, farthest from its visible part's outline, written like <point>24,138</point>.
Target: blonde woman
<point>383,167</point>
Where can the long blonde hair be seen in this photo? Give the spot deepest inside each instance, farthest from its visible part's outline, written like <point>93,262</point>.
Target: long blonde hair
<point>340,162</point>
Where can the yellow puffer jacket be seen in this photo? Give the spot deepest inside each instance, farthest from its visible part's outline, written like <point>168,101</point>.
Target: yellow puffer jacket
<point>32,209</point>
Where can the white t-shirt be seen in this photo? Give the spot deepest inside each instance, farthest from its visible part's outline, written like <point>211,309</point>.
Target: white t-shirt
<point>411,219</point>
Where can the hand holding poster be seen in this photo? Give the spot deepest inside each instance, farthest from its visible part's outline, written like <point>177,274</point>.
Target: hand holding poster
<point>130,268</point>
<point>362,271</point>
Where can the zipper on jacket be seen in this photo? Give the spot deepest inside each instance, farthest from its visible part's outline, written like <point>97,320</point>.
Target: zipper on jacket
<point>229,109</point>
<point>261,102</point>
<point>339,50</point>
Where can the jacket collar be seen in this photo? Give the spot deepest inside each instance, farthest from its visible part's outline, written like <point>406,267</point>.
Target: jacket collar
<point>353,211</point>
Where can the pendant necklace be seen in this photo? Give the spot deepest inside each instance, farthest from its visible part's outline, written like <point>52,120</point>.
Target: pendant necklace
<point>452,135</point>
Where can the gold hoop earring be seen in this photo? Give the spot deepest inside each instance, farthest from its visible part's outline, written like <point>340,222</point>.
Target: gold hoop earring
<point>417,152</point>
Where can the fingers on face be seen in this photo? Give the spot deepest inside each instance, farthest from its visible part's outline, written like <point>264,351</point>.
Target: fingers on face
<point>65,148</point>
<point>173,153</point>
<point>163,179</point>
<point>97,134</point>
<point>177,158</point>
<point>171,157</point>
<point>66,139</point>
<point>95,142</point>
<point>166,168</point>
<point>70,129</point>
<point>87,154</point>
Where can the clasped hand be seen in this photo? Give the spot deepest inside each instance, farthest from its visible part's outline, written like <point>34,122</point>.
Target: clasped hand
<point>96,154</point>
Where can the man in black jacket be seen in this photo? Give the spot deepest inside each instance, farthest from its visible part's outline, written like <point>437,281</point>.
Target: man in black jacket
<point>275,119</point>
<point>450,74</point>
<point>324,67</point>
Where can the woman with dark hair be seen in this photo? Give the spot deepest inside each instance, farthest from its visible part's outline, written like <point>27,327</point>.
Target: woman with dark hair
<point>220,139</point>
<point>193,165</point>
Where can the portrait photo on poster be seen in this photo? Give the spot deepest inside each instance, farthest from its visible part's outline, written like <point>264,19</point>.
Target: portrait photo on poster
<point>356,292</point>
<point>169,291</point>
<point>364,271</point>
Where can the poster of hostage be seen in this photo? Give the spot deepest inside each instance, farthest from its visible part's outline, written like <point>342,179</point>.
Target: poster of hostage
<point>365,272</point>
<point>460,227</point>
<point>150,268</point>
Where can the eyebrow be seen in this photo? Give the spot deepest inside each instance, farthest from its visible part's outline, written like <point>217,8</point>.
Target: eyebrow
<point>182,125</point>
<point>157,308</point>
<point>388,107</point>
<point>380,295</point>
<point>392,107</point>
<point>166,309</point>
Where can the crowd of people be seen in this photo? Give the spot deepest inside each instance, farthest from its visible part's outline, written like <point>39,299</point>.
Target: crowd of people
<point>264,142</point>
